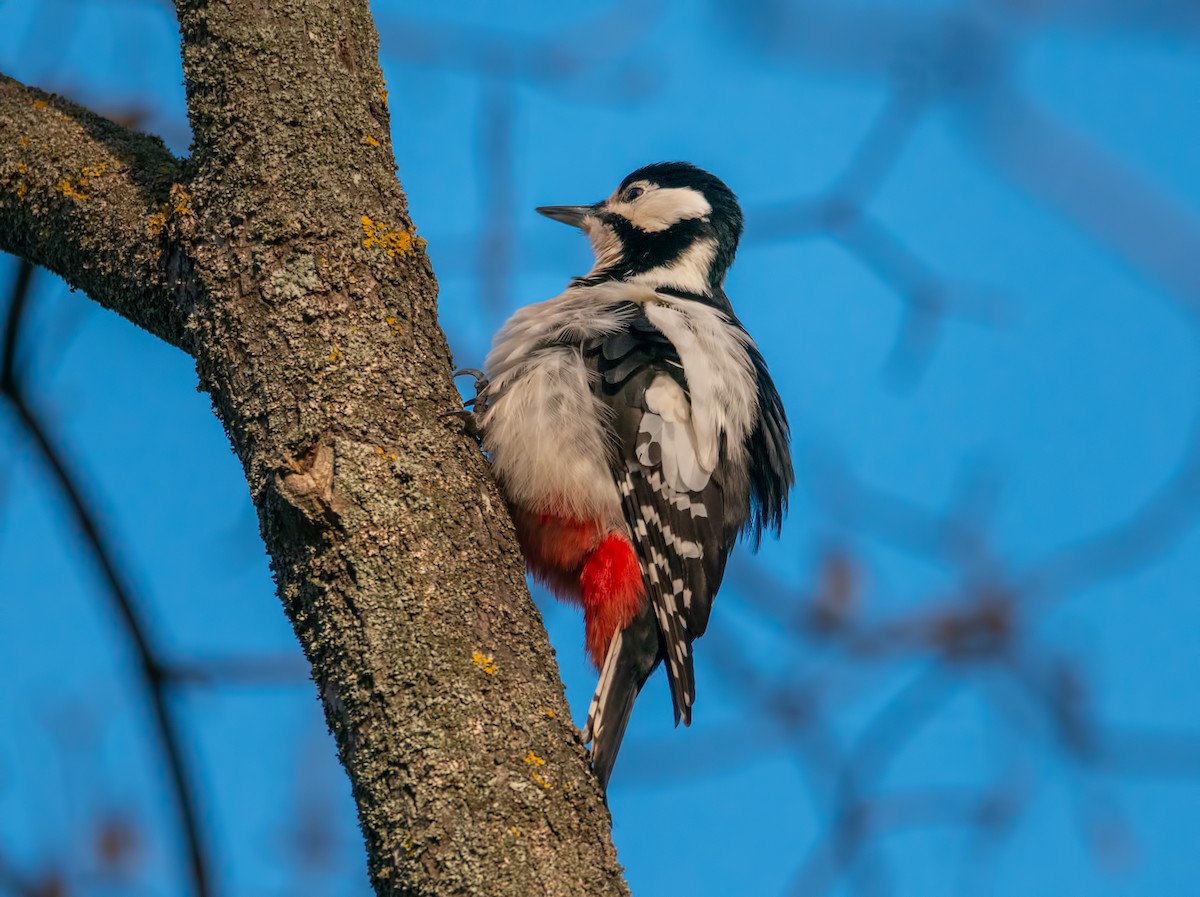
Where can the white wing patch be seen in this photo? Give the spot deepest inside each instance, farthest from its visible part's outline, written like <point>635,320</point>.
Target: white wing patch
<point>720,375</point>
<point>667,439</point>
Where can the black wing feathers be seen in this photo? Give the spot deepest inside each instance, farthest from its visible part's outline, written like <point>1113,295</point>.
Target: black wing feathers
<point>642,349</point>
<point>771,475</point>
<point>682,534</point>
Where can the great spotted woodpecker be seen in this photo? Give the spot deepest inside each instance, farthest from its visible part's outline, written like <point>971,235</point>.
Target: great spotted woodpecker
<point>635,432</point>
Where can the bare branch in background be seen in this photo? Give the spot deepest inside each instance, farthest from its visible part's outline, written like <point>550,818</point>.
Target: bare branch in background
<point>153,672</point>
<point>979,637</point>
<point>842,213</point>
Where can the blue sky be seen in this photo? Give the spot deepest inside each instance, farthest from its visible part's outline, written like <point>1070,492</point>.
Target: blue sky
<point>1037,193</point>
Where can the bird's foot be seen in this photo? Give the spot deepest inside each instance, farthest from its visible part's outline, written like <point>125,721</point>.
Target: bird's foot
<point>481,380</point>
<point>469,413</point>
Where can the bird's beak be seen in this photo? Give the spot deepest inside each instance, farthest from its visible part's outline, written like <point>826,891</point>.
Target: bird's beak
<point>572,215</point>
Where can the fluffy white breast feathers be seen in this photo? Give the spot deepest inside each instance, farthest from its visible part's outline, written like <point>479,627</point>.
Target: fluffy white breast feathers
<point>721,399</point>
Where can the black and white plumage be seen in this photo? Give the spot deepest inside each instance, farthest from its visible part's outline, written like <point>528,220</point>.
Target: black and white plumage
<point>636,406</point>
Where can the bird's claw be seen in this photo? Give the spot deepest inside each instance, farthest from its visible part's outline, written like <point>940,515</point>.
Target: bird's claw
<point>470,423</point>
<point>481,380</point>
<point>469,412</point>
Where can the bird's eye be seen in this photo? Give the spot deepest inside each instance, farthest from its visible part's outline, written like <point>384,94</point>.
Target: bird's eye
<point>633,193</point>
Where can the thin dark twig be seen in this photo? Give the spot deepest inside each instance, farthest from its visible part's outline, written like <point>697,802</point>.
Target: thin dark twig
<point>154,673</point>
<point>497,243</point>
<point>12,326</point>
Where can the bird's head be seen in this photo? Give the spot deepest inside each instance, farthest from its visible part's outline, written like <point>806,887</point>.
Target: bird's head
<point>670,224</point>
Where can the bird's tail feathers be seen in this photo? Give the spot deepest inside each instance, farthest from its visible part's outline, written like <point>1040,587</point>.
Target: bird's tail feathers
<point>627,665</point>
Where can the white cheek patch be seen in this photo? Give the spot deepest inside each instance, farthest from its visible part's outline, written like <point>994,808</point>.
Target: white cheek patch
<point>658,209</point>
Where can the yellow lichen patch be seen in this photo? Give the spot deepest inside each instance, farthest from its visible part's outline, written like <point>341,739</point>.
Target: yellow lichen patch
<point>369,140</point>
<point>484,662</point>
<point>537,762</point>
<point>335,354</point>
<point>548,713</point>
<point>66,188</point>
<point>157,222</point>
<point>40,104</point>
<point>376,233</point>
<point>515,832</point>
<point>78,188</point>
<point>176,205</point>
<point>383,95</point>
<point>23,142</point>
<point>22,188</point>
<point>180,200</point>
<point>393,325</point>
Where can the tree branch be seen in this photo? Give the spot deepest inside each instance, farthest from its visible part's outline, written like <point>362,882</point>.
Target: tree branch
<point>288,265</point>
<point>316,333</point>
<point>92,201</point>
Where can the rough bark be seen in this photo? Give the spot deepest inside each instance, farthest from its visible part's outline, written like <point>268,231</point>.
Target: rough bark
<point>281,256</point>
<point>90,200</point>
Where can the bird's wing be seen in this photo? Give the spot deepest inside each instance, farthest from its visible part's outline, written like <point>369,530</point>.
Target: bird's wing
<point>674,507</point>
<point>770,459</point>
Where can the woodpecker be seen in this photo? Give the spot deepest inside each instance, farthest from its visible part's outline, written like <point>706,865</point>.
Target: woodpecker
<point>636,433</point>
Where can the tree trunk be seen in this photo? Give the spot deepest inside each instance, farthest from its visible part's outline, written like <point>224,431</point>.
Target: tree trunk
<point>281,256</point>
